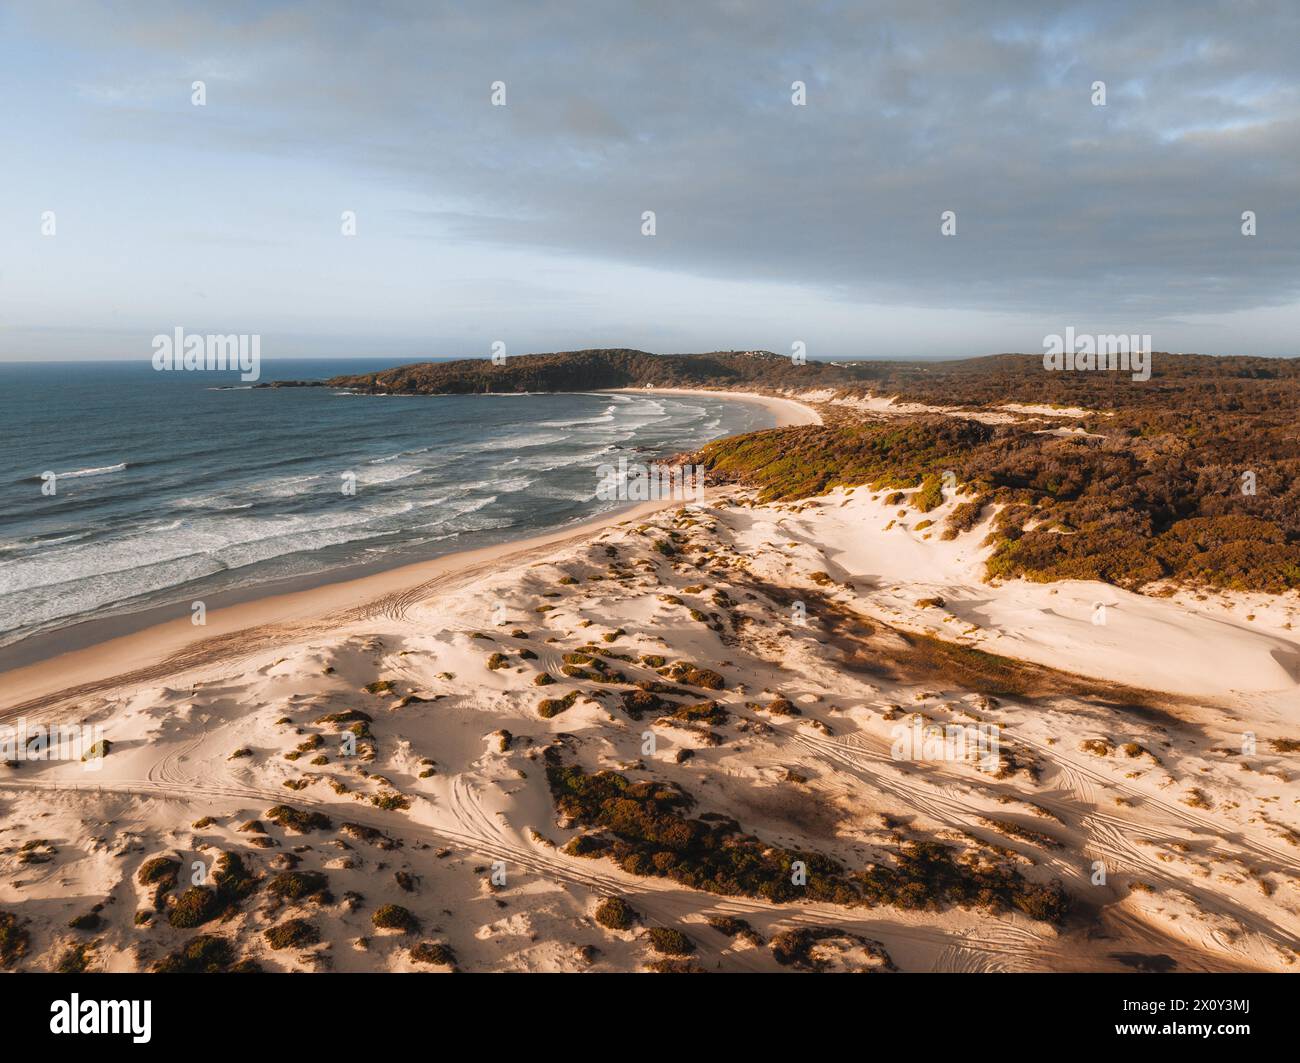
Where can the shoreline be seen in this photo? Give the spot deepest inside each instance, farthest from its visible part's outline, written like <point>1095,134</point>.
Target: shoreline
<point>116,646</point>
<point>113,660</point>
<point>788,412</point>
<point>465,671</point>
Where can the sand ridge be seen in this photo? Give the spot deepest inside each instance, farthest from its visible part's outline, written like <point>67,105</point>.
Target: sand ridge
<point>1175,845</point>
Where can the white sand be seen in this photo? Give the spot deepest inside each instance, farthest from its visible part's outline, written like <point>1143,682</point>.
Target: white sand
<point>1165,644</point>
<point>1199,842</point>
<point>786,411</point>
<point>322,606</point>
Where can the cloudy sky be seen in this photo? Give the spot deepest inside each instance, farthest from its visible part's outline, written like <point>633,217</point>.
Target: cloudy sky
<point>774,222</point>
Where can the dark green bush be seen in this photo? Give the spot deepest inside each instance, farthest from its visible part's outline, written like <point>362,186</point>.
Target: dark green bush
<point>298,820</point>
<point>14,939</point>
<point>433,952</point>
<point>670,942</point>
<point>395,917</point>
<point>300,886</point>
<point>293,934</point>
<point>614,913</point>
<point>205,954</point>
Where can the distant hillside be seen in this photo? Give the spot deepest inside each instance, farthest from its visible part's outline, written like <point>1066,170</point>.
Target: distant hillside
<point>583,370</point>
<point>1179,382</point>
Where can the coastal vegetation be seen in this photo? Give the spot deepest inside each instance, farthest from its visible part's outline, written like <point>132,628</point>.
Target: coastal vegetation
<point>297,820</point>
<point>615,913</point>
<point>14,939</point>
<point>584,370</point>
<point>205,954</point>
<point>434,952</point>
<point>1191,476</point>
<point>1124,509</point>
<point>293,934</point>
<point>644,827</point>
<point>395,917</point>
<point>300,886</point>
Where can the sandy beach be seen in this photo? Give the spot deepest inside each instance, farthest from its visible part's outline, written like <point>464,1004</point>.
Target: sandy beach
<point>26,688</point>
<point>786,411</point>
<point>399,737</point>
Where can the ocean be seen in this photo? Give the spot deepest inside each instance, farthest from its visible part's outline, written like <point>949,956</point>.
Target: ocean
<point>183,486</point>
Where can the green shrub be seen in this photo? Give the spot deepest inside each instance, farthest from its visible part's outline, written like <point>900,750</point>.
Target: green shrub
<point>670,942</point>
<point>642,826</point>
<point>1130,514</point>
<point>694,675</point>
<point>709,712</point>
<point>793,948</point>
<point>433,952</point>
<point>298,820</point>
<point>196,906</point>
<point>340,718</point>
<point>300,886</point>
<point>14,939</point>
<point>733,927</point>
<point>395,917</point>
<point>930,495</point>
<point>205,954</point>
<point>293,934</point>
<point>161,870</point>
<point>233,881</point>
<point>549,707</point>
<point>372,835</point>
<point>614,913</point>
<point>75,960</point>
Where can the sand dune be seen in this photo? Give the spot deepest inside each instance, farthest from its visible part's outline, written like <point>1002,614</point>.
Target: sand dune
<point>1180,645</point>
<point>1120,773</point>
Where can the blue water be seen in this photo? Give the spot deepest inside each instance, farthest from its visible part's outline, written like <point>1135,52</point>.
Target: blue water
<point>180,485</point>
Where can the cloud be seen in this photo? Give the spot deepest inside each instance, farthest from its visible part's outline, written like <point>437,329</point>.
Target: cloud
<point>684,108</point>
